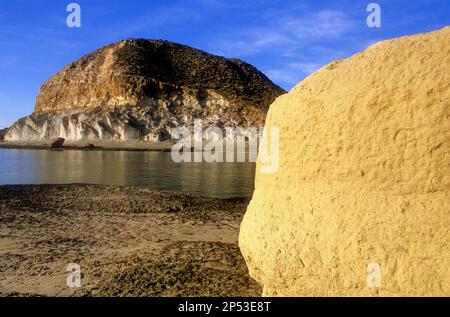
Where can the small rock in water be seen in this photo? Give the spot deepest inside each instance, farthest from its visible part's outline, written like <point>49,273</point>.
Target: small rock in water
<point>58,143</point>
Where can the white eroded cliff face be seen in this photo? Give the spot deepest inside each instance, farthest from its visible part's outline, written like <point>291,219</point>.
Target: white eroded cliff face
<point>360,204</point>
<point>151,122</point>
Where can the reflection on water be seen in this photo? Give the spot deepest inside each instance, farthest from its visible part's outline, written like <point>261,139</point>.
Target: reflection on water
<point>151,169</point>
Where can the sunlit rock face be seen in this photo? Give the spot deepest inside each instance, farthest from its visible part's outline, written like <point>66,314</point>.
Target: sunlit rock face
<point>141,89</point>
<point>360,204</point>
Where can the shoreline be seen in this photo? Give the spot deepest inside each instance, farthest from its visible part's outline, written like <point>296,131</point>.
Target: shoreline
<point>131,146</point>
<point>128,241</point>
<point>150,147</point>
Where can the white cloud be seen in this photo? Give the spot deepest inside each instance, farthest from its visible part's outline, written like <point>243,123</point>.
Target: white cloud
<point>284,34</point>
<point>292,73</point>
<point>297,41</point>
<point>306,68</point>
<point>327,23</point>
<point>283,76</point>
<point>250,43</point>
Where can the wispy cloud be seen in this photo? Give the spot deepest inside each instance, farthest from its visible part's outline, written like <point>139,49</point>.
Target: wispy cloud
<point>291,73</point>
<point>296,41</point>
<point>250,42</point>
<point>284,33</point>
<point>326,23</point>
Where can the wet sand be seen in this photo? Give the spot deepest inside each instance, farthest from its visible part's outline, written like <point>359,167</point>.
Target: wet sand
<point>128,242</point>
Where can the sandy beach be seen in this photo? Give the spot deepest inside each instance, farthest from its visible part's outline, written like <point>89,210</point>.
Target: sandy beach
<point>128,241</point>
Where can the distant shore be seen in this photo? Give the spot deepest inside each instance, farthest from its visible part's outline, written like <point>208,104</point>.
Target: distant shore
<point>98,146</point>
<point>128,241</point>
<point>132,146</point>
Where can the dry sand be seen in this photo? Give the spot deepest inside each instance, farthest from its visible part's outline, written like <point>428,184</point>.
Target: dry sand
<point>128,242</point>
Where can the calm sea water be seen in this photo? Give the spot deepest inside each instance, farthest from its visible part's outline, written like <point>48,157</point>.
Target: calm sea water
<point>155,170</point>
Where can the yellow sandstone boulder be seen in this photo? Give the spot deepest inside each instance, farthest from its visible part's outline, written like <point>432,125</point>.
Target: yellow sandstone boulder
<point>360,204</point>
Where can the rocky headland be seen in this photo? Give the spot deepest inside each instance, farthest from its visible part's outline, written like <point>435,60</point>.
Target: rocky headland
<point>135,92</point>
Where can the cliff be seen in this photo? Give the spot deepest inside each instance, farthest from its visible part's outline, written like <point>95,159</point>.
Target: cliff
<point>141,89</point>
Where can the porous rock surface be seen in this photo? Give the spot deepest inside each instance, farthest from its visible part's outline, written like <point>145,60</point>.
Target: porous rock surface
<point>141,89</point>
<point>364,178</point>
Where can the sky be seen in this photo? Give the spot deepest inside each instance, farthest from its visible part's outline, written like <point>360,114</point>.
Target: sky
<point>287,40</point>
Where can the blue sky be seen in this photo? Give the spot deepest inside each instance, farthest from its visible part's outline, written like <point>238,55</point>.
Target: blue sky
<point>287,40</point>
